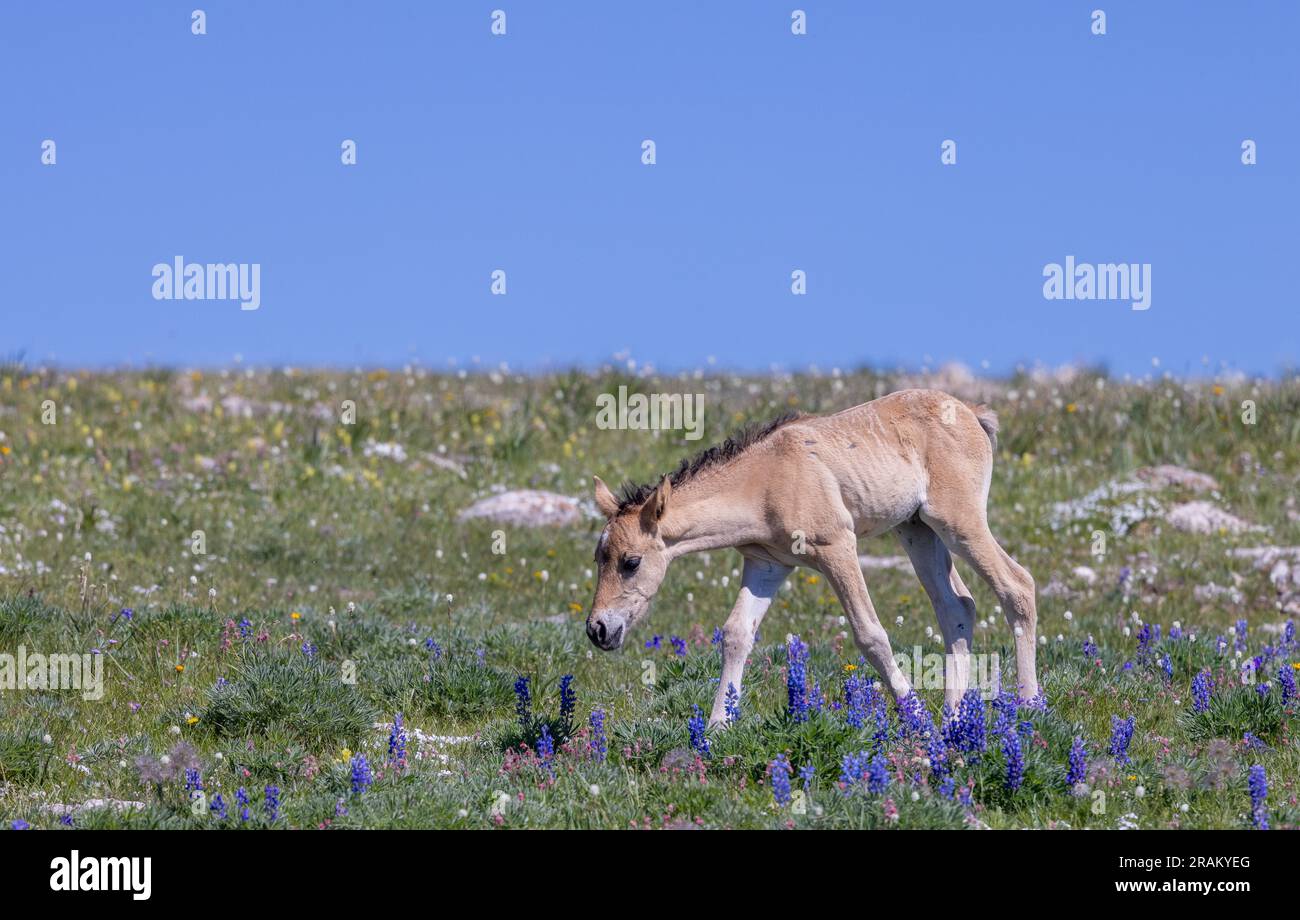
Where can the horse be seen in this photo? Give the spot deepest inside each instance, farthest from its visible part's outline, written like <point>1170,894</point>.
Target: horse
<point>801,490</point>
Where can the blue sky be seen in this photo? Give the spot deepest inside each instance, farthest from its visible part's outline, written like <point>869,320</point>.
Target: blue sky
<point>774,153</point>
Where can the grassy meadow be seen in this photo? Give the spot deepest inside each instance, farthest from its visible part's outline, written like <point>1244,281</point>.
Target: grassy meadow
<point>270,581</point>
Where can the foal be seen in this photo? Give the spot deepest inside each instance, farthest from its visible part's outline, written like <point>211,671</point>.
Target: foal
<point>801,491</point>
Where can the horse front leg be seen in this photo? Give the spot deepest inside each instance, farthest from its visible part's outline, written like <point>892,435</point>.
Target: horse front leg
<point>759,582</point>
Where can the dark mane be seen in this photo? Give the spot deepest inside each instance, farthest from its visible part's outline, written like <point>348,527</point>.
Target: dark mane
<point>740,441</point>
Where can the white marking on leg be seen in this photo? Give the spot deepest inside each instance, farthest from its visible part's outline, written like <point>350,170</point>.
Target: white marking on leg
<point>759,583</point>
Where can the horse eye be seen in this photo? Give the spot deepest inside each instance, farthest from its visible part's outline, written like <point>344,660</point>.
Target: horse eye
<point>630,563</point>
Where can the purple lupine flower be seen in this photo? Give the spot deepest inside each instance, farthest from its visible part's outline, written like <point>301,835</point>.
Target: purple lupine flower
<point>1239,636</point>
<point>1167,665</point>
<point>717,636</point>
<point>397,743</point>
<point>1007,707</point>
<point>523,701</point>
<point>969,731</point>
<point>679,646</point>
<point>1286,680</point>
<point>778,772</point>
<point>1089,649</point>
<point>1202,689</point>
<point>1015,761</point>
<point>546,746</point>
<point>877,774</point>
<point>433,647</point>
<point>654,642</point>
<point>1144,642</point>
<point>852,770</point>
<point>807,773</point>
<point>308,649</point>
<point>568,702</point>
<point>1253,742</point>
<point>19,825</point>
<point>1121,733</point>
<point>914,715</point>
<point>241,799</point>
<point>696,725</point>
<point>862,767</point>
<point>362,776</point>
<point>599,744</point>
<point>1078,764</point>
<point>272,804</point>
<point>796,679</point>
<point>937,751</point>
<point>1288,633</point>
<point>731,703</point>
<point>855,702</point>
<point>1258,783</point>
<point>218,807</point>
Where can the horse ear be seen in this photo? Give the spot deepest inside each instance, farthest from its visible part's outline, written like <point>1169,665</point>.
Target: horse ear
<point>605,499</point>
<point>653,509</point>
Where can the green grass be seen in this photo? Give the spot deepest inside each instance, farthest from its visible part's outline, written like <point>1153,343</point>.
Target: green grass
<point>100,511</point>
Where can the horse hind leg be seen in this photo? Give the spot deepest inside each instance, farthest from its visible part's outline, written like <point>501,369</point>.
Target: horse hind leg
<point>968,537</point>
<point>953,605</point>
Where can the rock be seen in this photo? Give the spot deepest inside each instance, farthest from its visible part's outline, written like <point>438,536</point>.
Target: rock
<point>1203,517</point>
<point>1126,502</point>
<point>58,808</point>
<point>1282,563</point>
<point>1213,592</point>
<point>1167,475</point>
<point>528,508</point>
<point>1121,502</point>
<point>1265,556</point>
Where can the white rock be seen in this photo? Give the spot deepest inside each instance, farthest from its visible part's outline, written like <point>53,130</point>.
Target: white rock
<point>528,508</point>
<point>1204,518</point>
